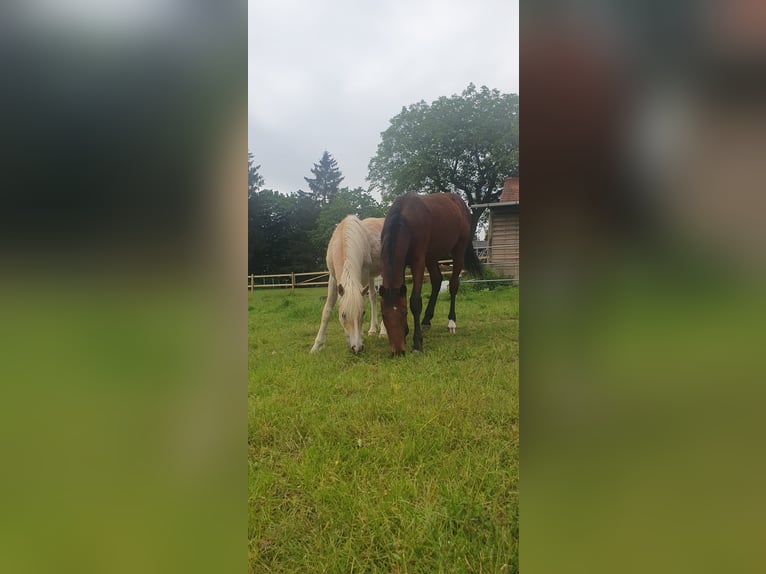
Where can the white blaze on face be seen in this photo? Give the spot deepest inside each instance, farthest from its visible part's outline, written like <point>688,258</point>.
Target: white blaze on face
<point>353,335</point>
<point>351,314</point>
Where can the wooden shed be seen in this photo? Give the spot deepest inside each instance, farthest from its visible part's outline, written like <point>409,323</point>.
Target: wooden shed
<point>503,233</point>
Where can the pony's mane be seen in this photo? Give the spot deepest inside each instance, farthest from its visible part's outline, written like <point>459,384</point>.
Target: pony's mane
<point>355,248</point>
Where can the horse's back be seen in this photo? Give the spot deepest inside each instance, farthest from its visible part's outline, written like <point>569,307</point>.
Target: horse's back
<point>448,208</point>
<point>366,234</point>
<point>442,220</point>
<point>374,227</point>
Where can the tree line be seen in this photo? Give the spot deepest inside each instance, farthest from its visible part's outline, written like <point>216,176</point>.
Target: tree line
<point>466,144</point>
<point>291,232</point>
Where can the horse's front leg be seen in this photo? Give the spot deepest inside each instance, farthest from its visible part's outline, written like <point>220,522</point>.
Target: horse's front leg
<point>416,305</point>
<point>332,295</point>
<point>436,281</point>
<point>373,308</point>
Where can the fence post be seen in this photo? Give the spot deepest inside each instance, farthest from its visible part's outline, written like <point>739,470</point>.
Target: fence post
<point>292,280</point>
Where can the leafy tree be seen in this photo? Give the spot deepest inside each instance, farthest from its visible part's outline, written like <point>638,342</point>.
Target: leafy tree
<point>254,178</point>
<point>326,181</point>
<point>465,144</point>
<point>291,232</point>
<point>279,233</point>
<point>347,201</point>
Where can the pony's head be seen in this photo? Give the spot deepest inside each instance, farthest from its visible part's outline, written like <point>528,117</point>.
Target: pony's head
<point>393,307</point>
<point>351,314</point>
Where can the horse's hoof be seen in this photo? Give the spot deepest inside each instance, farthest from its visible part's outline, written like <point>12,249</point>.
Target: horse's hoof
<point>426,326</point>
<point>452,326</point>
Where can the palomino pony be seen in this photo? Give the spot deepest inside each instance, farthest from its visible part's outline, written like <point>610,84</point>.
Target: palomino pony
<point>420,229</point>
<point>353,260</point>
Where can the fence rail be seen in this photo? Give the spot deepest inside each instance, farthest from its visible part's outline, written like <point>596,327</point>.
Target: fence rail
<point>322,278</point>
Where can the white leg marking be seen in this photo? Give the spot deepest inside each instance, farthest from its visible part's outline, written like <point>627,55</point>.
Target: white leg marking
<point>452,326</point>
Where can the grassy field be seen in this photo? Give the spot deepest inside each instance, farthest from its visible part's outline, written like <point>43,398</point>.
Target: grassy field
<point>371,464</point>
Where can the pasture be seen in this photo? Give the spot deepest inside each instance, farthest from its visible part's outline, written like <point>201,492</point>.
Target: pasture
<point>363,463</point>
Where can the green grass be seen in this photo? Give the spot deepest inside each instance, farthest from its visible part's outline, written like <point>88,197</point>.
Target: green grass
<point>371,464</point>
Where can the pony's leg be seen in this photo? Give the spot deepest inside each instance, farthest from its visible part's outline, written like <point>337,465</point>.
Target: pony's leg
<point>373,310</point>
<point>436,282</point>
<point>332,295</point>
<point>416,303</point>
<point>454,284</point>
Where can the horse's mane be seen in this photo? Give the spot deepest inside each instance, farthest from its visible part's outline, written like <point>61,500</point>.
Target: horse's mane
<point>356,249</point>
<point>391,228</point>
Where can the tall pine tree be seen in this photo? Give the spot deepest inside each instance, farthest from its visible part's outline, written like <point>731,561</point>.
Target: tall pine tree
<point>326,181</point>
<point>254,178</point>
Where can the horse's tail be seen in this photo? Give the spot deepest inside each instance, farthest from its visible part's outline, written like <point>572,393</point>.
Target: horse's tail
<point>471,261</point>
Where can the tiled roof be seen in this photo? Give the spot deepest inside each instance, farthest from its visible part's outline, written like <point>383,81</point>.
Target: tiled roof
<point>509,194</point>
<point>510,190</point>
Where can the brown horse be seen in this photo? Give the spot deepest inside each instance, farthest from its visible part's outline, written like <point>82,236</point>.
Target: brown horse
<point>418,231</point>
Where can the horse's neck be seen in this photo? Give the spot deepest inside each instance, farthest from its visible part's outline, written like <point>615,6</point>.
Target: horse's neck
<point>396,266</point>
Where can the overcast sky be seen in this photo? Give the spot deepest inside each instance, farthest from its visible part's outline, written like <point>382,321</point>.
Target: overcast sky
<point>330,74</point>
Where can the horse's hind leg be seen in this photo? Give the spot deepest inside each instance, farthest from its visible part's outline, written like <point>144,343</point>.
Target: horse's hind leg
<point>436,282</point>
<point>332,295</point>
<point>374,324</point>
<point>454,284</point>
<point>416,304</point>
<point>373,308</point>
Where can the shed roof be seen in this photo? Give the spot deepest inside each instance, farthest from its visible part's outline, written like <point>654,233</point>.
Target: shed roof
<point>509,195</point>
<point>510,190</point>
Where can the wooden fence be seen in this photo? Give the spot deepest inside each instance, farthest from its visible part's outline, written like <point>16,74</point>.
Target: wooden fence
<point>312,279</point>
<point>291,280</point>
<point>322,278</point>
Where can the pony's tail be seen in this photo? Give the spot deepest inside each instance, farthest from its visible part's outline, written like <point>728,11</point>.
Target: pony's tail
<point>472,263</point>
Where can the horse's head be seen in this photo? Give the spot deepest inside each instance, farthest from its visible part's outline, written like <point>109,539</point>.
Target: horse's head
<point>351,313</point>
<point>393,307</point>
